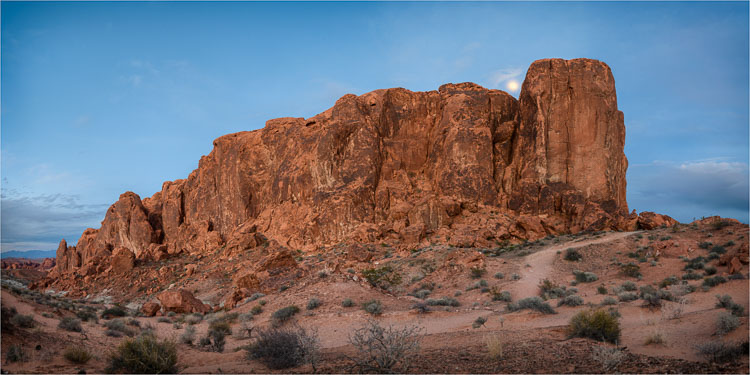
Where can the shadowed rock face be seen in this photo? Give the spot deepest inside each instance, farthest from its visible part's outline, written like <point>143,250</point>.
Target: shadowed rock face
<point>463,162</point>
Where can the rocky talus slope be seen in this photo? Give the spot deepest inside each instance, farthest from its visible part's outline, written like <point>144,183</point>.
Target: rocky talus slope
<point>463,165</point>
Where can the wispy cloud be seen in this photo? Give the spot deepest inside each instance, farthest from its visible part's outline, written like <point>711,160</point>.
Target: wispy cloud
<point>498,77</point>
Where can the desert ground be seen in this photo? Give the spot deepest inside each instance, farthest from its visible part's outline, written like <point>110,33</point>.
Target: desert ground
<point>476,332</point>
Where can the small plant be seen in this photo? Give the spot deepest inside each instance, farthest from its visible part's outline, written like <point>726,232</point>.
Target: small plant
<point>384,349</point>
<point>714,281</point>
<point>15,353</point>
<point>373,307</point>
<point>721,352</point>
<point>601,289</point>
<point>194,318</point>
<point>495,347</point>
<point>572,255</point>
<point>384,277</point>
<point>70,324</point>
<point>444,301</point>
<point>23,321</point>
<point>498,275</point>
<point>609,358</point>
<point>705,245</point>
<point>691,276</point>
<point>113,312</point>
<point>531,303</point>
<point>477,272</point>
<point>654,338</point>
<point>631,270</point>
<point>515,277</point>
<point>726,302</point>
<point>77,355</point>
<point>726,323</point>
<point>572,300</point>
<point>421,308</point>
<point>709,270</point>
<point>479,322</point>
<point>118,325</point>
<point>144,355</point>
<point>607,301</point>
<point>585,277</point>
<point>214,340</point>
<point>599,325</point>
<point>313,303</point>
<point>503,296</point>
<point>188,336</point>
<point>257,309</point>
<point>164,319</point>
<point>220,326</point>
<point>282,349</point>
<point>347,302</point>
<point>86,315</point>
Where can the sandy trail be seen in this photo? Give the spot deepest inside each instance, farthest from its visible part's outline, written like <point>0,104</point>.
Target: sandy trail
<point>541,263</point>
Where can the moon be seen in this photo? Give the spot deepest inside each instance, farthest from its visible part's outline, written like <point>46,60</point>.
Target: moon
<point>512,85</point>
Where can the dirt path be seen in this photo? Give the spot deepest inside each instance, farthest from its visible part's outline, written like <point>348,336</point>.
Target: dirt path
<point>540,263</point>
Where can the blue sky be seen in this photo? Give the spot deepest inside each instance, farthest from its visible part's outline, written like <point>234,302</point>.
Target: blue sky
<point>101,98</point>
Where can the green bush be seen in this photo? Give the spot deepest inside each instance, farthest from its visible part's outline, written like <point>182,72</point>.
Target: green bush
<point>220,326</point>
<point>384,277</point>
<point>709,270</point>
<point>627,296</point>
<point>281,349</point>
<point>726,302</point>
<point>477,272</point>
<point>257,309</point>
<point>721,352</point>
<point>23,321</point>
<point>188,336</point>
<point>282,315</point>
<point>726,323</point>
<point>609,301</point>
<point>313,303</point>
<point>77,355</point>
<point>70,324</point>
<point>15,353</point>
<point>144,355</point>
<point>214,340</point>
<point>194,318</point>
<point>714,281</point>
<point>629,286</point>
<point>691,276</point>
<point>347,302</point>
<point>503,296</point>
<point>585,277</point>
<point>572,300</point>
<point>572,255</point>
<point>531,303</point>
<point>86,315</point>
<point>599,325</point>
<point>443,301</point>
<point>478,322</point>
<point>601,289</point>
<point>499,275</point>
<point>631,270</point>
<point>118,325</point>
<point>115,311</point>
<point>373,307</point>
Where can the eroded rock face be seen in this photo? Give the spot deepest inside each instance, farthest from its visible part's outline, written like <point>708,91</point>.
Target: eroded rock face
<point>395,165</point>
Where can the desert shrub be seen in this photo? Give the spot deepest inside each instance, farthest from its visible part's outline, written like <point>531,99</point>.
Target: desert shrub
<point>515,277</point>
<point>220,326</point>
<point>70,324</point>
<point>313,303</point>
<point>422,293</point>
<point>495,346</point>
<point>77,355</point>
<point>705,245</point>
<point>601,289</point>
<point>144,354</point>
<point>478,322</point>
<point>384,349</point>
<point>696,263</point>
<point>531,303</point>
<point>15,353</point>
<point>607,301</point>
<point>671,280</point>
<point>631,270</point>
<point>736,276</point>
<point>114,311</point>
<point>257,309</point>
<point>443,301</point>
<point>498,275</point>
<point>718,249</point>
<point>384,277</point>
<point>651,301</point>
<point>86,315</point>
<point>726,323</point>
<point>119,326</point>
<point>164,319</point>
<point>194,318</point>
<point>282,315</point>
<point>171,314</point>
<point>255,296</point>
<point>23,321</point>
<point>282,349</point>
<point>673,310</point>
<point>629,286</point>
<point>503,296</point>
<point>477,272</point>
<point>726,302</point>
<point>188,336</point>
<point>709,270</point>
<point>246,317</point>
<point>572,255</point>
<point>691,276</point>
<point>714,281</point>
<point>112,333</point>
<point>720,352</point>
<point>373,307</point>
<point>421,308</point>
<point>214,340</point>
<point>347,302</point>
<point>609,358</point>
<point>585,277</point>
<point>572,300</point>
<point>654,338</point>
<point>595,324</point>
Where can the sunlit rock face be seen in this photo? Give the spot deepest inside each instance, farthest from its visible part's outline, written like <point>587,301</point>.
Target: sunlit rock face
<point>464,165</point>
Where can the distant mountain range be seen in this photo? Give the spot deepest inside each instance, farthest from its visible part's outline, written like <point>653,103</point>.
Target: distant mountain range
<point>31,254</point>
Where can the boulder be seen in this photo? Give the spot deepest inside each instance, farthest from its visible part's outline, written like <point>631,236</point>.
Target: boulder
<point>182,302</point>
<point>150,308</point>
<point>123,260</point>
<point>650,220</point>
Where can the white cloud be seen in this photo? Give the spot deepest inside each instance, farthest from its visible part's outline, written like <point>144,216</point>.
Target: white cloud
<point>498,77</point>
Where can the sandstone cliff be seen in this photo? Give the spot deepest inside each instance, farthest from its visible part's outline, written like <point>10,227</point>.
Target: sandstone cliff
<point>462,164</point>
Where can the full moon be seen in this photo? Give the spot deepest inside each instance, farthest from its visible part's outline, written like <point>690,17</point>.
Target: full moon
<point>512,85</point>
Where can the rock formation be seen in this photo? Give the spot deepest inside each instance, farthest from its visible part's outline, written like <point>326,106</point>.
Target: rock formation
<point>463,164</point>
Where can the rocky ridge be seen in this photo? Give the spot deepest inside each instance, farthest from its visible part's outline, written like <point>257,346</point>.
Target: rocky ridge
<point>463,165</point>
